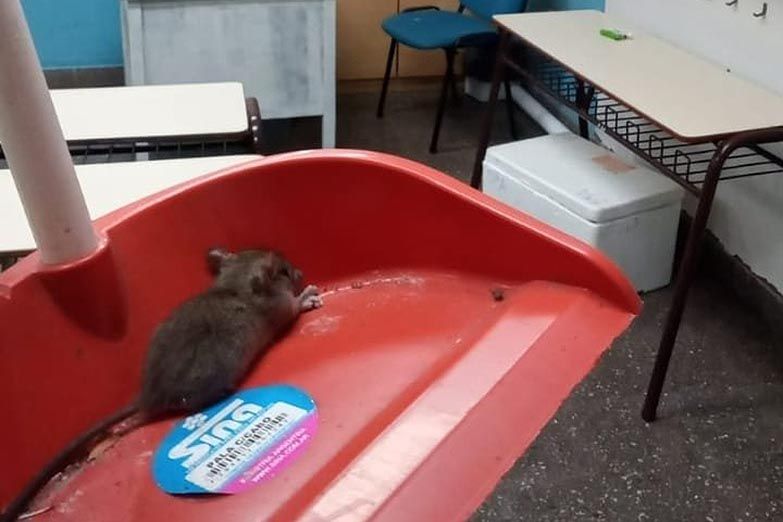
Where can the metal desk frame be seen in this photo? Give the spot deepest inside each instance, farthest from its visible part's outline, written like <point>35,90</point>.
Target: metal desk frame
<point>696,165</point>
<point>108,150</point>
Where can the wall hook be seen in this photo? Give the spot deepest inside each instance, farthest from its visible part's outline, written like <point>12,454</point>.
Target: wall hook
<point>733,2</point>
<point>763,12</point>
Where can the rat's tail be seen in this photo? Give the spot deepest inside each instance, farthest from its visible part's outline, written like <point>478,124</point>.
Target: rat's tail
<point>79,447</point>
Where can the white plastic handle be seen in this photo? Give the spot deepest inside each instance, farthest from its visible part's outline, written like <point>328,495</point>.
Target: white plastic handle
<point>35,149</point>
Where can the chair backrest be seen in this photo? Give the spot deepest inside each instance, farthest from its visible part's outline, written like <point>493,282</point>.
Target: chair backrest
<point>489,8</point>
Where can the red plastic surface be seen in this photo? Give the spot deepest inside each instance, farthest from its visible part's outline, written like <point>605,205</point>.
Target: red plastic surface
<point>428,389</point>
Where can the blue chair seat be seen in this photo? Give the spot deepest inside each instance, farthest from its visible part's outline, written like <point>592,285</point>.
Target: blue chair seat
<point>426,28</point>
<point>433,29</point>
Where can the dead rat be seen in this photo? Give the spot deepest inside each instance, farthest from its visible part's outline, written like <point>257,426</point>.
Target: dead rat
<point>200,353</point>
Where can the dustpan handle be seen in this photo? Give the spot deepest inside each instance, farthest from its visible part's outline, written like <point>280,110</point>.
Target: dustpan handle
<point>35,149</point>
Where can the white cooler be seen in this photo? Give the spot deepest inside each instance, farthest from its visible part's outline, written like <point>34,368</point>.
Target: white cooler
<point>629,212</point>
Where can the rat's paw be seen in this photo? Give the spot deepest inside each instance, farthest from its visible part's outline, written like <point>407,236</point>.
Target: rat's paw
<point>311,303</point>
<point>309,299</point>
<point>309,291</point>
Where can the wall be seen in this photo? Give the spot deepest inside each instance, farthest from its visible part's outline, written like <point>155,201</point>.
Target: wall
<point>362,46</point>
<point>72,34</point>
<point>75,33</point>
<point>748,213</point>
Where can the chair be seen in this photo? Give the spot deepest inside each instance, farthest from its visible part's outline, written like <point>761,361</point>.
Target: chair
<point>427,27</point>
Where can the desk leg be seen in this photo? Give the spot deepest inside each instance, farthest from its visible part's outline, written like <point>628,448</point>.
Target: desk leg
<point>584,97</point>
<point>510,108</point>
<point>489,112</point>
<point>448,80</point>
<point>254,124</point>
<point>685,276</point>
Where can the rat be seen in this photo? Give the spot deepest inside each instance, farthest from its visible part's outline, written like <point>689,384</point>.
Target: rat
<point>201,352</point>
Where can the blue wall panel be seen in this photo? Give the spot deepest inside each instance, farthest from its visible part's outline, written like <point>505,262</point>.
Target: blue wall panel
<point>75,33</point>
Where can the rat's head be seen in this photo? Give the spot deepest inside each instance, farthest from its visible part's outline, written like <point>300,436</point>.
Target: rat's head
<point>254,271</point>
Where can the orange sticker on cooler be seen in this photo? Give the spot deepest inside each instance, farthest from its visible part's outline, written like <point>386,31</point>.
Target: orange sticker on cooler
<point>611,163</point>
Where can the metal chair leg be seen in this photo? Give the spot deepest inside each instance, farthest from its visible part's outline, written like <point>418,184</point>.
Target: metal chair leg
<point>447,78</point>
<point>455,94</point>
<point>386,77</point>
<point>510,108</point>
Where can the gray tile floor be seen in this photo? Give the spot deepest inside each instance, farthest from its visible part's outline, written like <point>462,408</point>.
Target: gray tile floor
<point>715,454</point>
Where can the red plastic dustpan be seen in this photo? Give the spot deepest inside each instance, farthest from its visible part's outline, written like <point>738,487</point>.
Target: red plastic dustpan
<point>427,387</point>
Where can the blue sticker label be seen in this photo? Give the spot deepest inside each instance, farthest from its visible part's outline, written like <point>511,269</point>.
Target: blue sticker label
<point>237,443</point>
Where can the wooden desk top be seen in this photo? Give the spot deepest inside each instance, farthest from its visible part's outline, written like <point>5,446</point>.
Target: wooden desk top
<point>692,98</point>
<point>154,111</point>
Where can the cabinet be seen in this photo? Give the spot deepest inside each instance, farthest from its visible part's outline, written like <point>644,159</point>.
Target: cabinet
<point>283,51</point>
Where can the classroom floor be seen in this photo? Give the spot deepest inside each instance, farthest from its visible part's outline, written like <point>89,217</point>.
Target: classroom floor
<point>715,454</point>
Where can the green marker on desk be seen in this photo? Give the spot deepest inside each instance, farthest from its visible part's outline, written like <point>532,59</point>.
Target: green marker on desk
<point>614,34</point>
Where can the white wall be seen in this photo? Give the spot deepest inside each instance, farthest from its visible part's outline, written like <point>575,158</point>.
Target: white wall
<point>748,213</point>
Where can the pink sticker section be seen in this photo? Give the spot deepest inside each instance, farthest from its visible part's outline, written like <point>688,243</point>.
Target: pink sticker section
<point>277,458</point>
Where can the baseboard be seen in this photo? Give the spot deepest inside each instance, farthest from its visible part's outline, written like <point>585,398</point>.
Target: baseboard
<point>395,85</point>
<point>85,77</point>
<point>752,290</point>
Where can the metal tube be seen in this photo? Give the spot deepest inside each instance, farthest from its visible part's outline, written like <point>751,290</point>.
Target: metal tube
<point>444,94</point>
<point>386,77</point>
<point>685,275</point>
<point>35,148</point>
<point>489,113</point>
<point>687,269</point>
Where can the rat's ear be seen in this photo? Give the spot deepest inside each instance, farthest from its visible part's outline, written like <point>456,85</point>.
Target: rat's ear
<point>290,271</point>
<point>216,257</point>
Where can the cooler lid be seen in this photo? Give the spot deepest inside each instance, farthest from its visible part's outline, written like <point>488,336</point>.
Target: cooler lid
<point>587,179</point>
